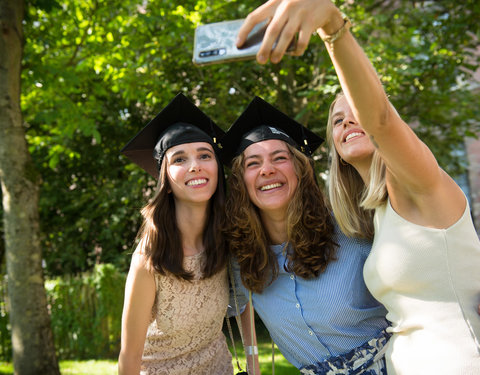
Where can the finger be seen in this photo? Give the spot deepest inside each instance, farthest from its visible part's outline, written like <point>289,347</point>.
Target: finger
<point>302,42</point>
<point>286,37</point>
<point>272,34</point>
<point>254,18</point>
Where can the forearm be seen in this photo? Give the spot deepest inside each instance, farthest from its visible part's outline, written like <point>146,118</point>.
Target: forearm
<point>357,76</point>
<point>250,339</point>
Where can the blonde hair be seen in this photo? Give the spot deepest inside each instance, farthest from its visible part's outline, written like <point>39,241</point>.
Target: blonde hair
<point>353,203</point>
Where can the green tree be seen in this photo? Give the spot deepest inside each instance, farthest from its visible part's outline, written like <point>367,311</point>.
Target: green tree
<point>32,340</point>
<point>92,83</point>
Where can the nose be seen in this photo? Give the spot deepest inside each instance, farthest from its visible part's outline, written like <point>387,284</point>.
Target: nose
<point>349,120</point>
<point>194,166</point>
<point>267,169</point>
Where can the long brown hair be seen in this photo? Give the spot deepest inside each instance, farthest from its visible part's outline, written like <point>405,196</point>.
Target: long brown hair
<point>309,228</point>
<point>161,237</point>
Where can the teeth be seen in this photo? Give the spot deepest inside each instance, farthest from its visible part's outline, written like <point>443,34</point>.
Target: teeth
<point>271,186</point>
<point>352,135</point>
<point>196,182</point>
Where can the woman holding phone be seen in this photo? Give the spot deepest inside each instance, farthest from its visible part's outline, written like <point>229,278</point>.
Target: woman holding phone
<point>386,183</point>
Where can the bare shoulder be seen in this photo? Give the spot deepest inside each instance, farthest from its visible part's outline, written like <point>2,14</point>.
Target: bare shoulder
<point>140,262</point>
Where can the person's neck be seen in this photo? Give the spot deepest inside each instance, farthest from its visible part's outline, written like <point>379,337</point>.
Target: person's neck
<point>276,225</point>
<point>363,169</point>
<point>191,221</point>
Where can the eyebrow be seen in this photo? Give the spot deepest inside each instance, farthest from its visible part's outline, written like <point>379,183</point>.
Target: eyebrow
<point>337,113</point>
<point>180,152</point>
<point>273,153</point>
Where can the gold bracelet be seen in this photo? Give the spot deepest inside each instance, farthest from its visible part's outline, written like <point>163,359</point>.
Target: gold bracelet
<point>330,39</point>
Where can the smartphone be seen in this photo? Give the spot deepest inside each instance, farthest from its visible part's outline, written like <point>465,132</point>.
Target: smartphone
<point>215,42</point>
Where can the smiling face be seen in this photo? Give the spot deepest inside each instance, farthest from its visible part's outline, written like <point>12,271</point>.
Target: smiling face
<point>350,140</point>
<point>192,172</point>
<point>269,175</point>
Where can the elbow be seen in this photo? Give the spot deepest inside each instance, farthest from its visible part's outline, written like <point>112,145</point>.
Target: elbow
<point>384,117</point>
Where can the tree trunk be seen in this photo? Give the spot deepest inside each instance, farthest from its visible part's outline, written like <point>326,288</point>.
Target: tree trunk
<point>32,339</point>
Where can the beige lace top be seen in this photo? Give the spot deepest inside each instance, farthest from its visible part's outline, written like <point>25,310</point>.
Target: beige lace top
<point>185,334</point>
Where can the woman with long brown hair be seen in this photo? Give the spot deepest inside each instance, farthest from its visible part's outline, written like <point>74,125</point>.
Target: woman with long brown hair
<point>176,293</point>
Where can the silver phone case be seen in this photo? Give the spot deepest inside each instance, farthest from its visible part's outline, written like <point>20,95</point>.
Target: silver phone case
<point>215,42</point>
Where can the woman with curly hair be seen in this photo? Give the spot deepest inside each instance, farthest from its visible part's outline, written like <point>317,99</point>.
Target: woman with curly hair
<point>303,275</point>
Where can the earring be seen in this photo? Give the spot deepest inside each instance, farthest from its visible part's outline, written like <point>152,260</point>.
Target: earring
<point>343,162</point>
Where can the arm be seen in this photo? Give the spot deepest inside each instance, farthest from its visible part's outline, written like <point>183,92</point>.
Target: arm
<point>137,309</point>
<point>247,333</point>
<point>418,188</point>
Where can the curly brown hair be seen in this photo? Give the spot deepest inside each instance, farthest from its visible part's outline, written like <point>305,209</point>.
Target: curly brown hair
<point>310,228</point>
<point>162,238</point>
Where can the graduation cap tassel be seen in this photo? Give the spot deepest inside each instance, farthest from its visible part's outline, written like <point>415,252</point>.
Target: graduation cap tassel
<point>305,142</point>
<point>214,134</point>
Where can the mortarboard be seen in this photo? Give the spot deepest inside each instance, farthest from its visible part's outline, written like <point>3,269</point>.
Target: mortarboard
<point>261,121</point>
<point>179,122</point>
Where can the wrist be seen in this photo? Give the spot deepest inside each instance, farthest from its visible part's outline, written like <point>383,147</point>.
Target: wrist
<point>335,22</point>
<point>330,38</point>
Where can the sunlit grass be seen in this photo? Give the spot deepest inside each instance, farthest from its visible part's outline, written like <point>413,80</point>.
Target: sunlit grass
<point>90,367</point>
<point>109,367</point>
<point>6,368</point>
<point>282,366</point>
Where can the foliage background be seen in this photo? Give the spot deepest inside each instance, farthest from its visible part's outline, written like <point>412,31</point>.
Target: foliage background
<point>95,71</point>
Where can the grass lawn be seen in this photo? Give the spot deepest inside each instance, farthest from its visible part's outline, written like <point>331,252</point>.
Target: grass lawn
<point>109,367</point>
<point>91,367</point>
<point>282,366</point>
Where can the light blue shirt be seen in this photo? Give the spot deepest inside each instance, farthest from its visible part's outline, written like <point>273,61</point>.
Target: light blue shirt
<point>312,320</point>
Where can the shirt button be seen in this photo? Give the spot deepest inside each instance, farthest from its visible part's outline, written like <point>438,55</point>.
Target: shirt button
<point>310,333</point>
<point>292,277</point>
<point>297,305</point>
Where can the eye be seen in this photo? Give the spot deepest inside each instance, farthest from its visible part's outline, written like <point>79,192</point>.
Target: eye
<point>205,156</point>
<point>337,121</point>
<point>280,158</point>
<point>178,160</point>
<point>252,163</point>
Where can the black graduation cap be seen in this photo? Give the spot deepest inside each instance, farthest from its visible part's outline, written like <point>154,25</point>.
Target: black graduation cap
<point>261,121</point>
<point>179,122</point>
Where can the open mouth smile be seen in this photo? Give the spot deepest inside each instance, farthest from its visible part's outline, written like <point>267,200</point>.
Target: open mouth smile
<point>196,182</point>
<point>353,135</point>
<point>270,186</point>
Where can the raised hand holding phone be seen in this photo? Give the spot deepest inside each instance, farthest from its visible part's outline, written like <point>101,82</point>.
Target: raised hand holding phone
<point>288,18</point>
